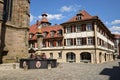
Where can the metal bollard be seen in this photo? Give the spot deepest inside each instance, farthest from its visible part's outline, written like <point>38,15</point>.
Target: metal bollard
<point>49,66</point>
<point>25,67</point>
<point>14,66</point>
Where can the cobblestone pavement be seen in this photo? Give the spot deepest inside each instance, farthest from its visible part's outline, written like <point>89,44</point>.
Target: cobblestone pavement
<point>64,71</point>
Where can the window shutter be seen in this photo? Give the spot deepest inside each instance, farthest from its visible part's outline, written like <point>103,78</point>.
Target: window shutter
<point>54,43</point>
<point>64,42</point>
<point>83,27</point>
<point>71,27</point>
<point>71,41</point>
<point>84,41</point>
<point>60,42</point>
<point>93,40</point>
<point>93,26</point>
<point>74,28</point>
<point>74,41</point>
<point>48,43</point>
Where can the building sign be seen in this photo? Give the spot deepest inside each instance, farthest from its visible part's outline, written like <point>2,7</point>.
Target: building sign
<point>38,64</point>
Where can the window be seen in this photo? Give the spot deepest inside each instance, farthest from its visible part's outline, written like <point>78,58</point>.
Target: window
<point>51,44</point>
<point>52,33</point>
<point>44,44</point>
<point>89,27</point>
<point>68,29</point>
<point>59,32</point>
<point>90,40</point>
<point>60,55</point>
<point>58,43</point>
<point>83,27</point>
<point>79,17</point>
<point>79,41</point>
<point>30,35</point>
<point>51,55</point>
<point>69,42</point>
<point>78,28</point>
<point>45,34</point>
<point>33,45</point>
<point>8,9</point>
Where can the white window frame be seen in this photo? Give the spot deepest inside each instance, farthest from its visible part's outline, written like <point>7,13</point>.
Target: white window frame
<point>79,41</point>
<point>90,41</point>
<point>68,42</point>
<point>89,27</point>
<point>68,29</point>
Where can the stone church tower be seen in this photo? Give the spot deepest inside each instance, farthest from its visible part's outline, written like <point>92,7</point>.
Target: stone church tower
<point>14,23</point>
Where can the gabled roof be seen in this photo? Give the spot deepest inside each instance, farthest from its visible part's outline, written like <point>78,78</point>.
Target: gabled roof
<point>34,29</point>
<point>117,36</point>
<point>84,16</point>
<point>52,28</point>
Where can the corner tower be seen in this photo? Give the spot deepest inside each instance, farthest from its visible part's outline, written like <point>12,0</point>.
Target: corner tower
<point>15,29</point>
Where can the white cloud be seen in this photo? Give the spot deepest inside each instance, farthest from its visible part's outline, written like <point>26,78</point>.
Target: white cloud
<point>66,8</point>
<point>106,22</point>
<point>53,16</point>
<point>116,32</point>
<point>70,8</point>
<point>115,22</point>
<point>31,17</point>
<point>115,29</point>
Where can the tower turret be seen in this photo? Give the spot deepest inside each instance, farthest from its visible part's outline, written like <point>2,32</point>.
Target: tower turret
<point>44,20</point>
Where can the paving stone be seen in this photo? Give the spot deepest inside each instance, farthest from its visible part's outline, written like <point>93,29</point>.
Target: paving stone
<point>66,71</point>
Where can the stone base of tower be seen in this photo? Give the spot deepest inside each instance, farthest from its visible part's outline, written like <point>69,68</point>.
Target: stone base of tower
<point>14,57</point>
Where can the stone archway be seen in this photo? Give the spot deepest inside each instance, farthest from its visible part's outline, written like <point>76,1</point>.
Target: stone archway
<point>85,57</point>
<point>70,57</point>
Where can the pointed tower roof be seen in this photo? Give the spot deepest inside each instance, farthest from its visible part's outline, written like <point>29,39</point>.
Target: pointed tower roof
<point>44,18</point>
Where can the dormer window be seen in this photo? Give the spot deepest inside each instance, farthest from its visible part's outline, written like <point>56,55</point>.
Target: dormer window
<point>79,16</point>
<point>59,32</point>
<point>31,35</point>
<point>45,34</point>
<point>52,33</point>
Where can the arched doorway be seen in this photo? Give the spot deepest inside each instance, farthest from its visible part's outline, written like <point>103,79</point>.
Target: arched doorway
<point>70,57</point>
<point>85,57</point>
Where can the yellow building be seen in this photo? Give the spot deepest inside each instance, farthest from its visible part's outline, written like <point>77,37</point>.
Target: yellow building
<point>85,38</point>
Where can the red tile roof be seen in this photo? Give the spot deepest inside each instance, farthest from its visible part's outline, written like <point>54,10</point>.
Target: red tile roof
<point>52,28</point>
<point>84,16</point>
<point>34,29</point>
<point>116,36</point>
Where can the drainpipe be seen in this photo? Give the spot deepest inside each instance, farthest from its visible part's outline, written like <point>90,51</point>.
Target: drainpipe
<point>95,34</point>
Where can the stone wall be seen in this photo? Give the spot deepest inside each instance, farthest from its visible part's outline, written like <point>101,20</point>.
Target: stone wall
<point>16,31</point>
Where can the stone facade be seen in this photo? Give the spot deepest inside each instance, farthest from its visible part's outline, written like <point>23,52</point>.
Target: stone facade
<point>84,38</point>
<point>15,30</point>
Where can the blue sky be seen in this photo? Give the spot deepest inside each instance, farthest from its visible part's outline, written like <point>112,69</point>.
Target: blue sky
<point>60,11</point>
